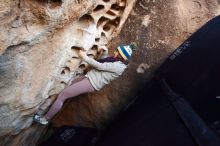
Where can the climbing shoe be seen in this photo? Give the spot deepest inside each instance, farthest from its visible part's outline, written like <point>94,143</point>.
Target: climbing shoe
<point>38,119</point>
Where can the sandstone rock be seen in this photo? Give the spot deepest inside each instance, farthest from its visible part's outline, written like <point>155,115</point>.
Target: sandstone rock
<point>142,67</point>
<point>39,41</point>
<point>158,27</point>
<point>38,54</point>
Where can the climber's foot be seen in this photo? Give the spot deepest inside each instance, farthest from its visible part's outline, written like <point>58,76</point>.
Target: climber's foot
<point>38,119</point>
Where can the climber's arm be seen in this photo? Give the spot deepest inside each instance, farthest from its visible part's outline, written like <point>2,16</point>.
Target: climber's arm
<point>108,66</point>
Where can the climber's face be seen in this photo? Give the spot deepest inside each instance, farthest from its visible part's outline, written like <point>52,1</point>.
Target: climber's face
<point>116,54</point>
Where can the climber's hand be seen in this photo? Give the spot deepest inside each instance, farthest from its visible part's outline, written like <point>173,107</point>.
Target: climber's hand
<point>82,54</point>
<point>102,52</point>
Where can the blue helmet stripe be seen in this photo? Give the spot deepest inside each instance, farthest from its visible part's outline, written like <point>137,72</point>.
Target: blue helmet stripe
<point>125,52</point>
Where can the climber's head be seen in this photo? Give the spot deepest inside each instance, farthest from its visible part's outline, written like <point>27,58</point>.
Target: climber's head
<point>125,51</point>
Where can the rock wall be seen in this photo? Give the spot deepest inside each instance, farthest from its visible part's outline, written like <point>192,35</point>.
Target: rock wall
<point>39,40</point>
<point>38,54</point>
<point>158,27</point>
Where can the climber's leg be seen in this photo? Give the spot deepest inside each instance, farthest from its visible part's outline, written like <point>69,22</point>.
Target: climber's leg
<point>83,86</point>
<point>77,79</point>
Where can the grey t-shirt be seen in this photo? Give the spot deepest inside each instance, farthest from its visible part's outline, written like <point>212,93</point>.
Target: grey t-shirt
<point>103,73</point>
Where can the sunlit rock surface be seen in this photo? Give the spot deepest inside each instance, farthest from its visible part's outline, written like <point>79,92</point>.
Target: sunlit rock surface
<point>158,27</point>
<point>39,40</point>
<point>38,54</point>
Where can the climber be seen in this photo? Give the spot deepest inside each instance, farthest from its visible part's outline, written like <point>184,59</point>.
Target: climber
<point>104,70</point>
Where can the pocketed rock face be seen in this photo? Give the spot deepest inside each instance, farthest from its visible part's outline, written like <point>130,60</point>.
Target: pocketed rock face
<point>158,27</point>
<point>39,42</point>
<point>38,54</point>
